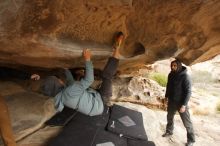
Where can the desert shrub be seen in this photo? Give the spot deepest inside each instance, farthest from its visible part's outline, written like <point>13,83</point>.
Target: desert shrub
<point>160,78</point>
<point>215,93</point>
<point>218,107</point>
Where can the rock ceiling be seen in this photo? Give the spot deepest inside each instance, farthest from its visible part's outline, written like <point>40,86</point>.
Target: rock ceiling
<point>52,33</point>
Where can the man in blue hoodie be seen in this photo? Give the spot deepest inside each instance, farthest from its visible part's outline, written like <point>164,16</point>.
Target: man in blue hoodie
<point>178,92</point>
<point>77,94</point>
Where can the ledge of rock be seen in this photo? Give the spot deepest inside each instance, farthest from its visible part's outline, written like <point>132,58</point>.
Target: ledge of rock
<point>50,34</point>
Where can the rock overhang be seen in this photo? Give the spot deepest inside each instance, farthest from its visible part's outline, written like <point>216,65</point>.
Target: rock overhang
<point>51,34</point>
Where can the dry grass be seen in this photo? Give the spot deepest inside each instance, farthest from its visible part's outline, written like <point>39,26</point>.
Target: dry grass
<point>218,107</point>
<point>204,77</point>
<point>161,79</point>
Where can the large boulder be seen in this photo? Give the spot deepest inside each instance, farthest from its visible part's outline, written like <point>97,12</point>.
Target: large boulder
<point>28,110</point>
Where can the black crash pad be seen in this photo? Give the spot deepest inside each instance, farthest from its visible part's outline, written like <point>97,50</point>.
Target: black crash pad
<point>127,123</point>
<point>84,130</point>
<point>105,138</point>
<point>61,118</point>
<point>74,134</point>
<point>140,143</point>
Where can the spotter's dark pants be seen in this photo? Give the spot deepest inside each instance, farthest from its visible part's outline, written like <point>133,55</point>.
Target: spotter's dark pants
<point>171,109</point>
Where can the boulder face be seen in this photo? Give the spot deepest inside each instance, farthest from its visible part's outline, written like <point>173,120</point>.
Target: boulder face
<point>50,34</point>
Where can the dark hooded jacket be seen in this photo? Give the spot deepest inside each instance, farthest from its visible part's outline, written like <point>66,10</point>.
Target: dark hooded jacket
<point>179,87</point>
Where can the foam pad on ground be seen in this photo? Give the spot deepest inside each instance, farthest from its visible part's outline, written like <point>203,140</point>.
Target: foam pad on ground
<point>61,118</point>
<point>127,123</point>
<point>98,121</point>
<point>84,130</point>
<point>75,133</point>
<point>140,143</point>
<point>105,138</point>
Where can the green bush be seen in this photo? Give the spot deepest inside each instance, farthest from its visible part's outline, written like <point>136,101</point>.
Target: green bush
<point>161,79</point>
